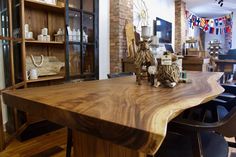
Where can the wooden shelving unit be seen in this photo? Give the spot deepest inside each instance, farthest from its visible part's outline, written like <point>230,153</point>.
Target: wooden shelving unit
<point>43,42</point>
<point>80,58</point>
<point>44,6</point>
<point>47,78</point>
<point>39,15</point>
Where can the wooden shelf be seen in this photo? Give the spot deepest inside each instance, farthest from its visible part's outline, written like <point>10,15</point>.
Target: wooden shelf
<point>77,42</point>
<point>74,42</point>
<point>46,78</point>
<point>44,42</point>
<point>45,6</point>
<point>79,10</point>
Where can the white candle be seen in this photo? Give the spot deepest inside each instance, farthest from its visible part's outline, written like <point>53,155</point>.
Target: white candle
<point>146,32</point>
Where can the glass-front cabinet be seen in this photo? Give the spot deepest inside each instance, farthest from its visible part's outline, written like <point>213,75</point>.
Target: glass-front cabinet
<point>4,18</point>
<point>82,41</point>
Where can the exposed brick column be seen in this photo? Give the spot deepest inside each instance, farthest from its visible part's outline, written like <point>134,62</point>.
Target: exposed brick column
<point>180,25</point>
<point>121,11</point>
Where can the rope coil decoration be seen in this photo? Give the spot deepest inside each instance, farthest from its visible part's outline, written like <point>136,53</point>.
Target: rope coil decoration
<point>168,73</point>
<point>34,62</point>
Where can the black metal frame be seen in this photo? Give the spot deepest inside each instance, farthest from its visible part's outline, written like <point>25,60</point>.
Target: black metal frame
<point>95,43</point>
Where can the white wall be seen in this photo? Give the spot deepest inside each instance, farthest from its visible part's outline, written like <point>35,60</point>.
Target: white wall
<point>234,31</point>
<point>192,32</point>
<point>164,9</point>
<point>104,38</point>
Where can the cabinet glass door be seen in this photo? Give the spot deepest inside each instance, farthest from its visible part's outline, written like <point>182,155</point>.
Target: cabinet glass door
<point>16,32</point>
<point>75,60</point>
<point>74,35</point>
<point>82,38</point>
<point>5,45</point>
<point>17,59</point>
<point>4,22</point>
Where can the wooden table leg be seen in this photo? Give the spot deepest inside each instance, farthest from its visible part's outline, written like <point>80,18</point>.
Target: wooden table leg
<point>90,146</point>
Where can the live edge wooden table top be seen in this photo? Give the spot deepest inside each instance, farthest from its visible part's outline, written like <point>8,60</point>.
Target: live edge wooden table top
<point>117,110</point>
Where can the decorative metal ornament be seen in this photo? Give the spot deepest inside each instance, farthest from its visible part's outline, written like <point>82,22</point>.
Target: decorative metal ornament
<point>220,2</point>
<point>140,14</point>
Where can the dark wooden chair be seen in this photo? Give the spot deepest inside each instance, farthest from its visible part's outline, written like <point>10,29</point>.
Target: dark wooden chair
<point>122,74</point>
<point>190,135</point>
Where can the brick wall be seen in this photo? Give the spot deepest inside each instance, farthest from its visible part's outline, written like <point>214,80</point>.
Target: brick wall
<point>121,11</point>
<point>180,25</point>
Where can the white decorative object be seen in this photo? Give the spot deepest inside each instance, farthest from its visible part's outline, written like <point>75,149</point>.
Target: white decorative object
<point>74,35</point>
<point>33,74</point>
<point>85,37</point>
<point>166,59</point>
<point>59,37</point>
<point>48,38</point>
<point>146,32</point>
<point>46,65</point>
<point>44,37</point>
<point>70,34</point>
<point>54,2</point>
<point>179,62</point>
<point>78,35</point>
<point>44,31</point>
<point>26,28</point>
<point>30,35</point>
<point>40,37</point>
<point>27,75</point>
<point>26,35</point>
<point>59,32</point>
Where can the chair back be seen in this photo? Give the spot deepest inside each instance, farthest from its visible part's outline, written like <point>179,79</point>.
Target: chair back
<point>227,126</point>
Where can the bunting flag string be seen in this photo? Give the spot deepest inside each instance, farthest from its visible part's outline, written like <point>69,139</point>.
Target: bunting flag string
<point>218,26</point>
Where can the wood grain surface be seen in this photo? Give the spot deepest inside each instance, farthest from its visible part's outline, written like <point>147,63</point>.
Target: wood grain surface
<point>117,110</point>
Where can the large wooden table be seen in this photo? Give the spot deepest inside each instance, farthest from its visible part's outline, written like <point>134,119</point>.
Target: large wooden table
<point>115,118</point>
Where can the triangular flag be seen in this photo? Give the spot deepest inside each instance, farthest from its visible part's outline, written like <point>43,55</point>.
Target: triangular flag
<point>211,23</point>
<point>220,21</point>
<point>206,27</point>
<point>198,21</point>
<point>216,22</point>
<point>212,30</point>
<point>221,32</point>
<point>217,31</point>
<point>202,22</point>
<point>228,29</point>
<point>194,19</point>
<point>190,23</point>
